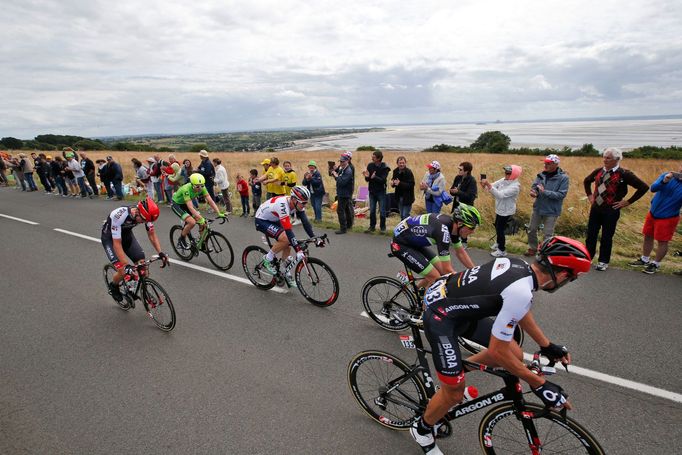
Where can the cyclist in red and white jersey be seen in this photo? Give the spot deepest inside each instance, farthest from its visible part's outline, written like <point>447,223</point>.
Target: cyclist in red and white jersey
<point>118,239</point>
<point>273,218</point>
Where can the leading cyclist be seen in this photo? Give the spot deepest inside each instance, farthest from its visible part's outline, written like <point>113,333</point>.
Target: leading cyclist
<point>118,239</point>
<point>413,237</point>
<point>183,207</point>
<point>273,218</point>
<point>502,288</point>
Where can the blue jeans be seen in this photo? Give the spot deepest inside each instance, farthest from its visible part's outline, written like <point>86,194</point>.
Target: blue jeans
<point>316,202</point>
<point>61,185</point>
<point>158,191</point>
<point>404,209</point>
<point>379,197</point>
<point>28,176</point>
<point>81,184</point>
<point>118,188</point>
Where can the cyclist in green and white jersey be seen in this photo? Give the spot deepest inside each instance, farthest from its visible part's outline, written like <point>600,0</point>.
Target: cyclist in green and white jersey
<point>183,207</point>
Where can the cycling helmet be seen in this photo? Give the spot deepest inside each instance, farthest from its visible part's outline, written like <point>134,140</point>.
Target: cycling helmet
<point>197,179</point>
<point>468,215</point>
<point>148,209</point>
<point>300,193</point>
<point>564,253</point>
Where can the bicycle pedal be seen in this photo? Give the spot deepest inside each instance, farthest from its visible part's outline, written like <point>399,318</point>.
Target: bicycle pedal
<point>443,429</point>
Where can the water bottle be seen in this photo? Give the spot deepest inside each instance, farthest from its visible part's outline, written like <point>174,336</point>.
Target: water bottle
<point>131,283</point>
<point>470,393</point>
<point>289,264</point>
<point>403,278</point>
<point>264,240</point>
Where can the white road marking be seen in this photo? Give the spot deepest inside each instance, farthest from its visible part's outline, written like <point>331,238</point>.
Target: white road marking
<point>18,219</point>
<point>615,380</point>
<point>183,264</point>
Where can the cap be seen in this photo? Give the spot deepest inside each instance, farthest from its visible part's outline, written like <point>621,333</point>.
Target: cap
<point>265,161</point>
<point>551,159</point>
<point>433,165</point>
<point>343,157</point>
<point>507,168</point>
<point>110,158</point>
<point>151,159</point>
<point>312,163</point>
<point>49,157</point>
<point>203,154</point>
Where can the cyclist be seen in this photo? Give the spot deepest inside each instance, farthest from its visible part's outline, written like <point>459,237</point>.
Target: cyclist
<point>118,239</point>
<point>183,207</point>
<point>502,288</point>
<point>413,236</point>
<point>273,218</point>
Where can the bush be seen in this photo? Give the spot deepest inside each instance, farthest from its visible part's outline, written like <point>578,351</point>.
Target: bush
<point>199,147</point>
<point>11,143</point>
<point>365,148</point>
<point>492,141</point>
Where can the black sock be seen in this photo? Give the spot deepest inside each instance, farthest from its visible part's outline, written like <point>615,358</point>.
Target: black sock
<point>423,428</point>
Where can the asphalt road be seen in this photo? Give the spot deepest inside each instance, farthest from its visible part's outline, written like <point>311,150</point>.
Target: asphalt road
<point>248,371</point>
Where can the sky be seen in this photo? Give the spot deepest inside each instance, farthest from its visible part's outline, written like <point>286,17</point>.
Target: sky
<point>103,68</point>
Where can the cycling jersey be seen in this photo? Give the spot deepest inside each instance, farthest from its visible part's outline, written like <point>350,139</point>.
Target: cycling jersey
<point>119,225</point>
<point>186,193</point>
<point>274,216</point>
<point>501,288</point>
<point>413,236</point>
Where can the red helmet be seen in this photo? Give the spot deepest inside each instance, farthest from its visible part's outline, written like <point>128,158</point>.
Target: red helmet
<point>564,253</point>
<point>148,209</point>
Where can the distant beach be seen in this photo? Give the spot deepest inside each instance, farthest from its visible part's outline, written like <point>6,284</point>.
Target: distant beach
<point>626,134</point>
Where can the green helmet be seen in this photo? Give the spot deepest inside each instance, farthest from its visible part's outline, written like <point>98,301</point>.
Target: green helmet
<point>468,215</point>
<point>197,179</point>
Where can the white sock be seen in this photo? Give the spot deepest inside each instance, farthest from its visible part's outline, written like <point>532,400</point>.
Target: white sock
<point>657,264</point>
<point>645,258</point>
<point>270,256</point>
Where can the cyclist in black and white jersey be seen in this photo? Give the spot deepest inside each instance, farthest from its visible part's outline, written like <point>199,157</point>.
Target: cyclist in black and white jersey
<point>502,288</point>
<point>118,239</point>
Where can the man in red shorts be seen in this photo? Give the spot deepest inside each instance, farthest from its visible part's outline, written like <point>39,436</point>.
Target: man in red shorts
<point>662,219</point>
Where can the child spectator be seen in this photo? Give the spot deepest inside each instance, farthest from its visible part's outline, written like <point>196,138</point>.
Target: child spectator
<point>243,189</point>
<point>256,190</point>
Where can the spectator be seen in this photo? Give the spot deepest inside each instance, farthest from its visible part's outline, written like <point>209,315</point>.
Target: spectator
<point>18,172</point>
<point>433,185</point>
<point>345,182</point>
<point>43,170</point>
<point>464,187</point>
<point>273,179</point>
<point>549,190</point>
<point>156,176</point>
<point>661,220</point>
<point>103,177</point>
<point>59,173</point>
<point>243,190</point>
<point>206,169</point>
<point>115,176</point>
<point>313,181</point>
<point>403,182</point>
<point>256,189</point>
<point>376,175</point>
<point>290,178</point>
<point>610,187</point>
<point>27,168</point>
<point>142,177</point>
<point>171,177</point>
<point>74,166</point>
<point>506,192</point>
<point>3,169</point>
<point>49,174</point>
<point>223,183</point>
<point>185,172</point>
<point>89,170</point>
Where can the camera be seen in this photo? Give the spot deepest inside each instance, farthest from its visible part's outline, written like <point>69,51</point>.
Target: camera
<point>483,176</point>
<point>677,175</point>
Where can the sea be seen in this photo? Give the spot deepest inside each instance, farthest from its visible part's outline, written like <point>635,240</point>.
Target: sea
<point>623,133</point>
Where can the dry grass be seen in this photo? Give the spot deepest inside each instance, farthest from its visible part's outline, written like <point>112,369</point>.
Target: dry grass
<point>627,243</point>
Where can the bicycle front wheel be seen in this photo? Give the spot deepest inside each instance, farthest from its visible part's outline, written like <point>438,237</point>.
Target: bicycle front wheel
<point>252,263</point>
<point>109,272</point>
<point>385,298</point>
<point>501,432</point>
<point>183,253</point>
<point>384,388</point>
<point>219,251</point>
<point>317,282</point>
<point>158,305</point>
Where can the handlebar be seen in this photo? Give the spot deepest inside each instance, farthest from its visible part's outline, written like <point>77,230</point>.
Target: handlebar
<point>304,243</point>
<point>223,219</point>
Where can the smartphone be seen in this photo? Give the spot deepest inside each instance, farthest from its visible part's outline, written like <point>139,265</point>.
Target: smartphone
<point>331,164</point>
<point>483,176</point>
<point>677,175</point>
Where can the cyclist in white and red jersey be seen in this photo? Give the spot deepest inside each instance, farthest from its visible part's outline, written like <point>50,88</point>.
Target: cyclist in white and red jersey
<point>502,288</point>
<point>273,218</point>
<point>118,239</point>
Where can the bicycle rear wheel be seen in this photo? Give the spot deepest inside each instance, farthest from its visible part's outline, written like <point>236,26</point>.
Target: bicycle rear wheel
<point>252,263</point>
<point>502,432</point>
<point>384,298</point>
<point>184,254</point>
<point>382,386</point>
<point>219,250</point>
<point>109,272</point>
<point>158,305</point>
<point>317,282</point>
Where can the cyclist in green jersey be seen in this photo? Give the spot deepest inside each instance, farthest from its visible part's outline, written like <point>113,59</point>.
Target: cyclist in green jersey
<point>183,207</point>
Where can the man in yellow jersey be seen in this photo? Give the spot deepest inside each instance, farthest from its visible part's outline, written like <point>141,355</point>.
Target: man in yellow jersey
<point>274,179</point>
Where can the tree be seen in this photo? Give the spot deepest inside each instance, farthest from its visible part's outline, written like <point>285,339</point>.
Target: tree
<point>365,148</point>
<point>492,141</point>
<point>11,143</point>
<point>88,144</point>
<point>198,147</point>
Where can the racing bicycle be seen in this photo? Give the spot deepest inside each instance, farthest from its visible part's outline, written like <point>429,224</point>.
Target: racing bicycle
<point>214,244</point>
<point>390,303</point>
<point>136,285</point>
<point>315,280</point>
<point>394,393</point>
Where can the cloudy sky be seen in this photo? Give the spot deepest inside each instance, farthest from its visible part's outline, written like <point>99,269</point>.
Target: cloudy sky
<point>102,67</point>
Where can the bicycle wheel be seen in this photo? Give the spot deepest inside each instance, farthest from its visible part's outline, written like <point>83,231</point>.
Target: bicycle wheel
<point>502,432</point>
<point>219,251</point>
<point>384,298</point>
<point>184,254</point>
<point>317,282</point>
<point>158,305</point>
<point>252,263</point>
<point>380,384</point>
<point>109,272</point>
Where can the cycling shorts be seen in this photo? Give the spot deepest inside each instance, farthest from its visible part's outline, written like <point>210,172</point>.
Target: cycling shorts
<point>181,210</point>
<point>269,228</point>
<point>131,247</point>
<point>442,333</point>
<point>419,260</point>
